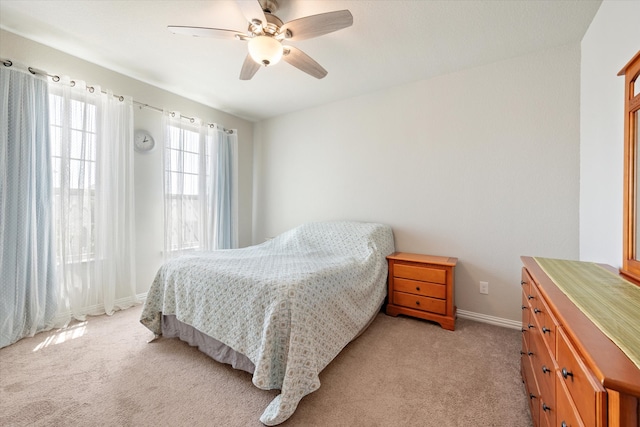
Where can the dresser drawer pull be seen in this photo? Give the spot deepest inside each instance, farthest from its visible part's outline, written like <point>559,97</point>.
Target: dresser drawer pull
<point>537,310</point>
<point>530,296</point>
<point>523,307</point>
<point>564,424</point>
<point>524,330</point>
<point>530,353</point>
<point>530,326</point>
<point>546,330</point>
<point>522,353</point>
<point>566,373</point>
<point>545,407</point>
<point>545,369</point>
<point>532,396</point>
<point>522,282</point>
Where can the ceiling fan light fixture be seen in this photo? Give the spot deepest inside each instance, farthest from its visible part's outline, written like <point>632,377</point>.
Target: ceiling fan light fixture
<point>265,50</point>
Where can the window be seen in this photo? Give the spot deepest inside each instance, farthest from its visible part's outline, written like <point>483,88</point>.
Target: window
<point>631,233</point>
<point>73,156</point>
<point>185,188</point>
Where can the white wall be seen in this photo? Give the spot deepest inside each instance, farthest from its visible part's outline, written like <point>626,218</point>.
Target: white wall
<point>610,42</point>
<point>148,166</point>
<point>481,165</point>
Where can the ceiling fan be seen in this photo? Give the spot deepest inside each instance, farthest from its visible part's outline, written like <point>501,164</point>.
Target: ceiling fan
<point>266,34</point>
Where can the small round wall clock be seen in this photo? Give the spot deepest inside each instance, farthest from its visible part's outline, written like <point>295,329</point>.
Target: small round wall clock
<point>143,141</point>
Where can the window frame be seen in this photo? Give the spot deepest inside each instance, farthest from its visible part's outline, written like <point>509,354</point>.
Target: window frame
<point>88,255</point>
<point>195,198</point>
<point>630,261</point>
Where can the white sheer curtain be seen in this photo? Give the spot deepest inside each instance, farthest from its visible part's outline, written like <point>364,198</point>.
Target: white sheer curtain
<point>92,157</point>
<point>27,264</point>
<point>199,186</point>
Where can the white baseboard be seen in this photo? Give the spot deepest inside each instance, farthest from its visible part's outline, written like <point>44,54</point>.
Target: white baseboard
<point>484,318</point>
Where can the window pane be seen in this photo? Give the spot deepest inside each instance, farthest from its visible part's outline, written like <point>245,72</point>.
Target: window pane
<point>191,185</point>
<point>191,142</point>
<point>191,163</point>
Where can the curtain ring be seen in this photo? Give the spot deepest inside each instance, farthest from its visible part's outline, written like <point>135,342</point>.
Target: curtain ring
<point>121,98</point>
<point>31,70</point>
<point>73,83</point>
<point>192,120</point>
<point>90,89</point>
<point>173,114</point>
<point>55,78</point>
<point>211,125</point>
<point>7,63</point>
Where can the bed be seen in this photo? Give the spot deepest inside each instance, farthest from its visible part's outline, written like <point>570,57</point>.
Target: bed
<point>281,310</point>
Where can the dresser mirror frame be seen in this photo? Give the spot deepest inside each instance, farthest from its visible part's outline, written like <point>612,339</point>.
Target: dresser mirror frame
<point>631,228</point>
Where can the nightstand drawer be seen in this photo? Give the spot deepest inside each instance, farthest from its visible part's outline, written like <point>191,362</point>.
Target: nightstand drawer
<point>421,273</point>
<point>420,303</point>
<point>421,288</point>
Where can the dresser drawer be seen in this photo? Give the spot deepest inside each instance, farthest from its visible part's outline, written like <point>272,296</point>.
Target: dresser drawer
<point>544,370</point>
<point>418,302</point>
<point>420,288</point>
<point>424,274</point>
<point>567,413</point>
<point>526,281</point>
<point>531,386</point>
<point>586,392</point>
<point>544,319</point>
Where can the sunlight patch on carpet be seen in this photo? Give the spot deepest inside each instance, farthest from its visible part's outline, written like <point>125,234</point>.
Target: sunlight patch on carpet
<point>63,335</point>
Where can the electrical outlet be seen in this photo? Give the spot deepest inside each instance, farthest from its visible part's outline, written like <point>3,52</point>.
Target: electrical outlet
<point>484,287</point>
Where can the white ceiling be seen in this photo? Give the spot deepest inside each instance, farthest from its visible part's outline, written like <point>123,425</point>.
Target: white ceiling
<point>390,43</point>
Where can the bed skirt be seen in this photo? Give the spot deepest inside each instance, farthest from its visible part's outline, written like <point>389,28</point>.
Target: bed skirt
<point>173,328</point>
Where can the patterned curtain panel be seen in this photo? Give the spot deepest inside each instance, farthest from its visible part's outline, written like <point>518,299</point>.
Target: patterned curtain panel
<point>223,196</point>
<point>92,157</point>
<point>27,263</point>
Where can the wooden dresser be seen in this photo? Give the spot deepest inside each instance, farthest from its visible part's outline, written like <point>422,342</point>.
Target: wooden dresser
<point>422,286</point>
<point>573,373</point>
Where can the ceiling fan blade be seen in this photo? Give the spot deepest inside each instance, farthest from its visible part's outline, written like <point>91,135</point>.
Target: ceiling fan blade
<point>302,61</point>
<point>249,68</point>
<point>251,9</point>
<point>317,25</point>
<point>207,32</point>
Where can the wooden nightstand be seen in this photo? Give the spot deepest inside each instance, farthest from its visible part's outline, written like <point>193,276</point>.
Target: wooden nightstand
<point>422,286</point>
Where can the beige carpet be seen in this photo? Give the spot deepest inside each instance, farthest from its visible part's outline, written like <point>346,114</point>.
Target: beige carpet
<point>400,372</point>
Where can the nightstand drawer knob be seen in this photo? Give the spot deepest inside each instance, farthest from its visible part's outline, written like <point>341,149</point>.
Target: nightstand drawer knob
<point>417,288</point>
<point>417,302</point>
